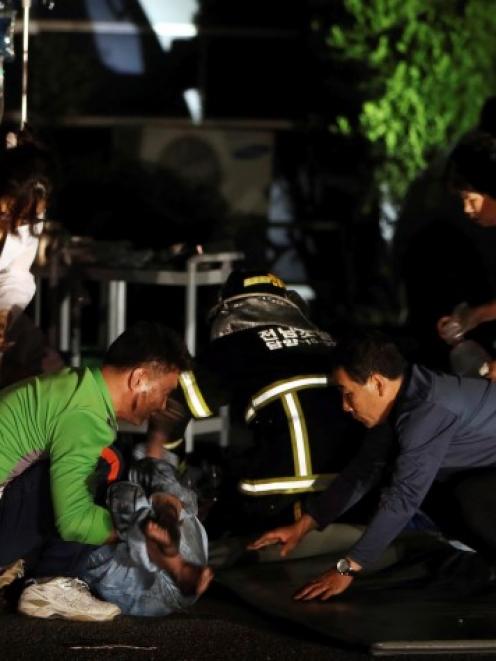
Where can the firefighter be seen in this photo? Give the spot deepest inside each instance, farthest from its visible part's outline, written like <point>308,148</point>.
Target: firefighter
<point>271,364</point>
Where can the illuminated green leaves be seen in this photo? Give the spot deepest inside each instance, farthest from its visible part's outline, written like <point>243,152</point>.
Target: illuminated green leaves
<point>432,65</point>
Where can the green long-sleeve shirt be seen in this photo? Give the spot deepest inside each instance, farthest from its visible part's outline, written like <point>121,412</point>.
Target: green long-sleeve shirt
<point>69,418</point>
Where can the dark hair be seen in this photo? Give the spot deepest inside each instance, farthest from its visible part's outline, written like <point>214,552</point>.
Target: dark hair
<point>148,342</point>
<point>26,172</point>
<point>369,352</point>
<point>472,164</point>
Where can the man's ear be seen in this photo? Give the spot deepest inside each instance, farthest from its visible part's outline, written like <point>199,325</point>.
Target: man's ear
<point>378,382</point>
<point>137,380</point>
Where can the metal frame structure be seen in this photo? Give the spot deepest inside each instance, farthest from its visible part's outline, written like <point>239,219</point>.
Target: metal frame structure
<point>201,270</point>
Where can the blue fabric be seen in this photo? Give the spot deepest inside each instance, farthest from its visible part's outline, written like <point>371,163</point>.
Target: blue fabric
<point>442,425</point>
<point>123,574</point>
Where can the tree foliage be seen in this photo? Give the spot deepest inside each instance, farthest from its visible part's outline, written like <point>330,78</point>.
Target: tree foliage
<point>430,66</point>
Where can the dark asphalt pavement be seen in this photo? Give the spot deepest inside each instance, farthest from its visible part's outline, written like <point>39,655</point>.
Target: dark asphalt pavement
<point>218,627</point>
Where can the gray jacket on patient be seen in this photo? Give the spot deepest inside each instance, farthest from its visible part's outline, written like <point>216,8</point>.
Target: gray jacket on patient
<point>123,573</point>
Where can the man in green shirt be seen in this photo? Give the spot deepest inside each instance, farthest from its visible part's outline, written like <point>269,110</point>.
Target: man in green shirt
<point>61,423</point>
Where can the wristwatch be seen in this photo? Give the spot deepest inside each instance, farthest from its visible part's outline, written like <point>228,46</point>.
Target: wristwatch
<point>343,567</point>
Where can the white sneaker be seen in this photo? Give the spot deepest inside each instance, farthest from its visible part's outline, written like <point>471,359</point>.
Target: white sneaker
<point>67,598</point>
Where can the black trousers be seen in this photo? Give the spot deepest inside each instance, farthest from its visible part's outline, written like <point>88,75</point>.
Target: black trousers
<point>27,528</point>
<point>464,507</point>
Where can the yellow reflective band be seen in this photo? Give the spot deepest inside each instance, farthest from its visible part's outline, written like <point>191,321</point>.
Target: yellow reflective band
<point>303,480</point>
<point>250,414</point>
<point>173,444</point>
<point>299,435</point>
<point>269,279</point>
<point>196,403</point>
<point>285,485</point>
<point>265,396</point>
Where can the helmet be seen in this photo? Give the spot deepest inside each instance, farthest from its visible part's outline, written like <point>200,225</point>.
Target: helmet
<point>253,298</point>
<point>249,283</point>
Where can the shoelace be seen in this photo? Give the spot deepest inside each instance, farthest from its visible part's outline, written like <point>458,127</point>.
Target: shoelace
<point>78,592</point>
<point>78,584</point>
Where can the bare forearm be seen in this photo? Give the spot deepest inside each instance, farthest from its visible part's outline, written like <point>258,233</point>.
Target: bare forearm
<point>356,566</point>
<point>306,524</point>
<point>483,313</point>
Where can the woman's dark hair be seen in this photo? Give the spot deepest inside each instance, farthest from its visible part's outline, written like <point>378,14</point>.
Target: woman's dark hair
<point>148,342</point>
<point>26,172</point>
<point>369,352</point>
<point>471,166</point>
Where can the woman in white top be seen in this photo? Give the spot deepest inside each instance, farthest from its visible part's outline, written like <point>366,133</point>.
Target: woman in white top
<point>25,185</point>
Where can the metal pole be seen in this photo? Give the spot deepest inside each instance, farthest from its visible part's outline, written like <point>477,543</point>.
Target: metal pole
<point>26,5</point>
<point>2,89</point>
<point>191,296</point>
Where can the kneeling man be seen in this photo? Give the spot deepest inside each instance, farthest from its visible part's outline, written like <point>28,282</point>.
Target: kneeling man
<point>52,432</point>
<point>444,444</point>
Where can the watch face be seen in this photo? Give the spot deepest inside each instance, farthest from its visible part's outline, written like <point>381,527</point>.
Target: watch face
<point>343,566</point>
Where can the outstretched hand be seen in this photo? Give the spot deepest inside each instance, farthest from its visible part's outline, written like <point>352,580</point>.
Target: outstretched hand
<point>287,536</point>
<point>324,586</point>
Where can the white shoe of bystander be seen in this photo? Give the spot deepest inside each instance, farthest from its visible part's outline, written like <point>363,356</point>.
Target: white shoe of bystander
<point>66,598</point>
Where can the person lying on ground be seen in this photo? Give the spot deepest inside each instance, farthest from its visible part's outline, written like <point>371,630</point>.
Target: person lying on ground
<point>159,564</point>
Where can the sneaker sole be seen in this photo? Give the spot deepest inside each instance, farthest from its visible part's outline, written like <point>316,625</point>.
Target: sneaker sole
<point>47,613</point>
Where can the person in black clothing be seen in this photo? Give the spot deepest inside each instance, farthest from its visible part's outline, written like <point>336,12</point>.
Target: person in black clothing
<point>471,172</point>
<point>444,431</point>
<point>270,363</point>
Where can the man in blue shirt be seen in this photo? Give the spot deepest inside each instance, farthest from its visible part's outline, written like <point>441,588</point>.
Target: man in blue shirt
<point>444,431</point>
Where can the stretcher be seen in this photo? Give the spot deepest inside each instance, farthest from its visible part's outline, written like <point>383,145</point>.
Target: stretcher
<point>435,599</point>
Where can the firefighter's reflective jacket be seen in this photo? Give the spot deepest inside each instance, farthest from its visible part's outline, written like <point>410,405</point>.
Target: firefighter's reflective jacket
<point>275,376</point>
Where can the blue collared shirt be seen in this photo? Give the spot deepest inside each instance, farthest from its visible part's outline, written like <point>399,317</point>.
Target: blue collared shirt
<point>442,424</point>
